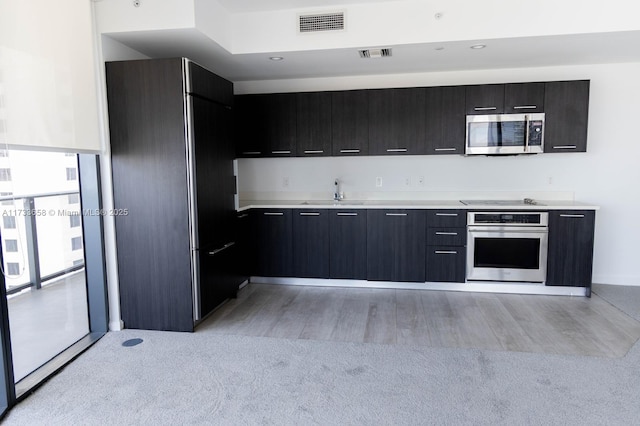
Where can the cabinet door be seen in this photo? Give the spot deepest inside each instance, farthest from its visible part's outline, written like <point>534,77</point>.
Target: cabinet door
<point>397,121</point>
<point>570,255</point>
<point>246,245</point>
<point>446,218</point>
<point>485,99</point>
<point>396,245</point>
<point>446,264</point>
<point>208,85</point>
<point>219,278</point>
<point>274,244</point>
<point>348,244</point>
<point>523,98</point>
<point>350,122</point>
<point>311,243</point>
<point>451,109</point>
<point>313,124</point>
<point>280,118</point>
<point>249,126</point>
<point>566,107</point>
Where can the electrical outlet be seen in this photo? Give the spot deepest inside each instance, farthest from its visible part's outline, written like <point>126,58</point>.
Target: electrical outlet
<point>379,182</point>
<point>421,180</point>
<point>550,180</point>
<point>285,182</point>
<point>407,181</point>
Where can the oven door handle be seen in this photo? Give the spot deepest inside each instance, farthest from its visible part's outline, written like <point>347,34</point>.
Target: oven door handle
<point>509,229</point>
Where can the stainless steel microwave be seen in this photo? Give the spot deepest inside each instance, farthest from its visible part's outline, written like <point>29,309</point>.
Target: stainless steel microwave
<point>505,134</point>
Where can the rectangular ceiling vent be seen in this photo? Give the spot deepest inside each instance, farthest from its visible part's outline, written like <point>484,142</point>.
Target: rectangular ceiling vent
<point>321,22</point>
<point>375,53</point>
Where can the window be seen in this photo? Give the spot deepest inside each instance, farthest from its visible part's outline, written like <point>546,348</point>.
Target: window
<point>74,198</point>
<point>11,245</point>
<point>74,221</point>
<point>5,174</point>
<point>6,202</point>
<point>72,173</point>
<point>76,243</point>
<point>9,222</point>
<point>13,268</point>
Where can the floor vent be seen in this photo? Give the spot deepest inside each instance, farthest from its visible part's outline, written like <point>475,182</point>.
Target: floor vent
<point>321,22</point>
<point>375,53</point>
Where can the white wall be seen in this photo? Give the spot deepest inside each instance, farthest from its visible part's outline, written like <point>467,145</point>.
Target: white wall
<point>606,175</point>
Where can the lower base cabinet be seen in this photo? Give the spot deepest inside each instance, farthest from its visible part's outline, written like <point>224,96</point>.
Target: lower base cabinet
<point>348,244</point>
<point>396,245</point>
<point>220,277</point>
<point>311,243</point>
<point>273,233</point>
<point>446,264</point>
<point>570,255</point>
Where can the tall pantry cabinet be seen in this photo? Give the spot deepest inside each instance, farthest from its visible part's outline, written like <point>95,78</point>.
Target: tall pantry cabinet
<point>172,160</point>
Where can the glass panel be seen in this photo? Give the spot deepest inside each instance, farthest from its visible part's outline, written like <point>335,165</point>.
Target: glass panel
<point>42,243</point>
<point>513,253</point>
<point>508,133</point>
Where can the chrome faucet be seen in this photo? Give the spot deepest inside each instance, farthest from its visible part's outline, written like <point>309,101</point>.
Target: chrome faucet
<point>337,195</point>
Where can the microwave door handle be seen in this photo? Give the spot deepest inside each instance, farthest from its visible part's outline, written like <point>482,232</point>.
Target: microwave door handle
<point>526,133</point>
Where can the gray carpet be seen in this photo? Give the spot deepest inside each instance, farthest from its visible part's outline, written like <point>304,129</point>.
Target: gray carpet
<point>204,378</point>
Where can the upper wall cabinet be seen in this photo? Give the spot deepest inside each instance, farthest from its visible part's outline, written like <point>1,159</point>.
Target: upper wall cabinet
<point>445,120</point>
<point>523,98</point>
<point>485,99</point>
<point>266,125</point>
<point>566,107</point>
<point>202,84</point>
<point>397,121</point>
<point>313,124</point>
<point>350,122</point>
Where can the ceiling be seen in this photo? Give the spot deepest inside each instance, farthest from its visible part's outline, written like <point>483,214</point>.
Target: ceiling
<point>514,52</point>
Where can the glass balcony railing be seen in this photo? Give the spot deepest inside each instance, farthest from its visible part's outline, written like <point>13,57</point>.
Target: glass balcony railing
<point>41,237</point>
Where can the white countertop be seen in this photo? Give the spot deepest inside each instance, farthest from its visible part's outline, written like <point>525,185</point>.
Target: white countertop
<point>410,204</point>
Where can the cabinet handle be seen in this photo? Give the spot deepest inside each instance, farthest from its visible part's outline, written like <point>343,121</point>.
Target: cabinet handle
<point>525,107</point>
<point>242,216</point>
<point>445,149</point>
<point>310,214</point>
<point>397,150</point>
<point>349,151</point>
<point>347,214</point>
<point>445,252</point>
<point>446,233</point>
<point>396,214</point>
<point>572,215</point>
<point>251,152</point>
<point>485,108</point>
<point>273,213</point>
<point>447,214</point>
<point>314,151</point>
<point>565,147</point>
<point>281,152</point>
<point>224,247</point>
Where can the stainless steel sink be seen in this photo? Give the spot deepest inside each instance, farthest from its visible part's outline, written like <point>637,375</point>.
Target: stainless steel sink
<point>332,203</point>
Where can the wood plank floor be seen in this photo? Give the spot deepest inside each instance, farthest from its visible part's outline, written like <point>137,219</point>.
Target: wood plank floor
<point>504,322</point>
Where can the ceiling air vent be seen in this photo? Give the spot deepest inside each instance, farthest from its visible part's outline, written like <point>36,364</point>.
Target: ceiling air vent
<point>321,22</point>
<point>375,53</point>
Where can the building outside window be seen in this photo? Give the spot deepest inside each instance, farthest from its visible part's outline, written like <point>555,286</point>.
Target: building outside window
<point>13,268</point>
<point>11,245</point>
<point>76,243</point>
<point>74,221</point>
<point>72,174</point>
<point>74,199</point>
<point>5,174</point>
<point>9,222</point>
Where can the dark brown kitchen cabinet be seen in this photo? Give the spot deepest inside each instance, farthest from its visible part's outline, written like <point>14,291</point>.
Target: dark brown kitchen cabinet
<point>266,125</point>
<point>397,121</point>
<point>313,129</point>
<point>446,246</point>
<point>566,107</point>
<point>246,247</point>
<point>348,244</point>
<point>484,99</point>
<point>311,243</point>
<point>521,98</point>
<point>570,255</point>
<point>396,245</point>
<point>161,113</point>
<point>350,122</point>
<point>445,120</point>
<point>273,233</point>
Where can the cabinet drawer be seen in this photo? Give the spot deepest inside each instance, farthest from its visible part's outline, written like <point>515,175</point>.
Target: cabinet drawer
<point>446,218</point>
<point>446,264</point>
<point>446,236</point>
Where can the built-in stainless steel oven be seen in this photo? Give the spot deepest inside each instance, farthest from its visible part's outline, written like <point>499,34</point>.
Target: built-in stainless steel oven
<point>507,246</point>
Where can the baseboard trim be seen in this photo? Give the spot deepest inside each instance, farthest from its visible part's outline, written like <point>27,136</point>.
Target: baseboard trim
<point>478,287</point>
